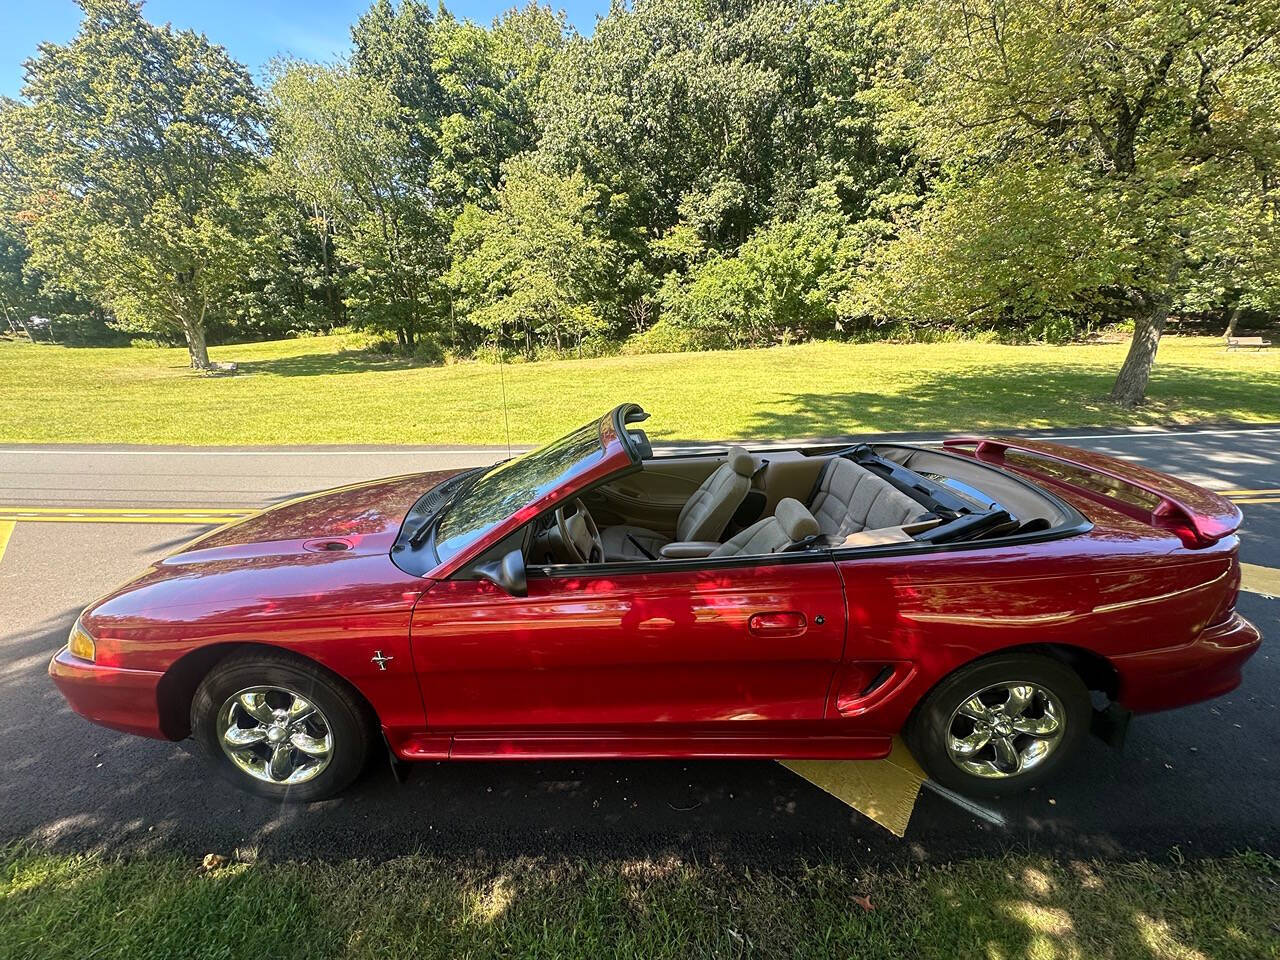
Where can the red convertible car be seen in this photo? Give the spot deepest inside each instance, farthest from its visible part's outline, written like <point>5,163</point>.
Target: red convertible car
<point>992,600</point>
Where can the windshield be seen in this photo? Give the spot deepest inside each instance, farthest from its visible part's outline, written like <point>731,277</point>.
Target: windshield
<point>506,488</point>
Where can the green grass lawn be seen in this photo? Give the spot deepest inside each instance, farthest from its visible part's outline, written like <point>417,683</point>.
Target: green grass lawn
<point>421,907</point>
<point>320,391</point>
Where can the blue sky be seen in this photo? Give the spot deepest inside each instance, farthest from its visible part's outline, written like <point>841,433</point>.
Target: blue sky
<point>253,31</point>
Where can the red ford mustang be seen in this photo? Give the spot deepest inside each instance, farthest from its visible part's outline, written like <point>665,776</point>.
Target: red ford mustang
<point>591,599</point>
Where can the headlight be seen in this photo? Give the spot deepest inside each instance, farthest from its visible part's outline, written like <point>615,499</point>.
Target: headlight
<point>80,644</point>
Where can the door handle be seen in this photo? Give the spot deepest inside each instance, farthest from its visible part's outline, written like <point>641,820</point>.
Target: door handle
<point>779,623</point>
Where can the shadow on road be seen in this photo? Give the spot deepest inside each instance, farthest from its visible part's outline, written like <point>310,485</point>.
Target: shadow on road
<point>1195,778</point>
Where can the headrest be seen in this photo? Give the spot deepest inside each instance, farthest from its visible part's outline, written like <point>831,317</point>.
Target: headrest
<point>797,522</point>
<point>741,462</point>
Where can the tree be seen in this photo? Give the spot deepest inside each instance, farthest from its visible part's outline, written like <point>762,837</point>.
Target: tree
<point>139,142</point>
<point>339,146</point>
<point>293,280</point>
<point>390,147</point>
<point>534,266</point>
<point>700,121</point>
<point>776,286</point>
<point>1132,120</point>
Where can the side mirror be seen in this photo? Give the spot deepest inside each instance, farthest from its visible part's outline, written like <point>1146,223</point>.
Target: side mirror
<point>507,573</point>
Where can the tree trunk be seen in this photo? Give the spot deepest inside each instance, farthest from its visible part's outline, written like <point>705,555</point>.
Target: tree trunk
<point>1131,385</point>
<point>1231,323</point>
<point>193,329</point>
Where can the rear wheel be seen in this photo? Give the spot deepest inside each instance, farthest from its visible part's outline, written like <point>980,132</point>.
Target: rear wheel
<point>280,727</point>
<point>1001,725</point>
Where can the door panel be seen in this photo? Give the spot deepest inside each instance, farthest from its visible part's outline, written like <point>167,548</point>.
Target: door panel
<point>654,496</point>
<point>635,651</point>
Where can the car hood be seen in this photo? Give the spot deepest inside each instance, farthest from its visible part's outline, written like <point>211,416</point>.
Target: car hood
<point>358,519</point>
<point>312,556</point>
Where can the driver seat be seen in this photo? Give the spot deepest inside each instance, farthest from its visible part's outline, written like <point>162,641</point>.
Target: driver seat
<point>703,517</point>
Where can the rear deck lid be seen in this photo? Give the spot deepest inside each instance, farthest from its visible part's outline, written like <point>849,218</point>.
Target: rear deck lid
<point>1198,517</point>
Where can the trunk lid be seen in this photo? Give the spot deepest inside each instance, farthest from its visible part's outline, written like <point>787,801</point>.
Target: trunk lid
<point>1198,517</point>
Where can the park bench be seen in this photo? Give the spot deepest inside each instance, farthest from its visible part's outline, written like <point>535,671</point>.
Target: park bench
<point>1257,343</point>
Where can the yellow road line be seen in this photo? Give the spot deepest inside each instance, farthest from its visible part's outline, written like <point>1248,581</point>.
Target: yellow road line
<point>1259,579</point>
<point>187,519</point>
<point>1247,493</point>
<point>128,511</point>
<point>1260,500</point>
<point>189,516</point>
<point>6,531</point>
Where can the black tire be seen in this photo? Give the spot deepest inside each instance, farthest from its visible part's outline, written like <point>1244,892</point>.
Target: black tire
<point>344,716</point>
<point>927,731</point>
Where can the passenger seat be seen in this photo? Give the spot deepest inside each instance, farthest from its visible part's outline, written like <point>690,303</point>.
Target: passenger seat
<point>849,499</point>
<point>790,526</point>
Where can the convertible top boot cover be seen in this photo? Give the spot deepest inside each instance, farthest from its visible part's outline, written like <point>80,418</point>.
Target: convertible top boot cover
<point>703,517</point>
<point>790,524</point>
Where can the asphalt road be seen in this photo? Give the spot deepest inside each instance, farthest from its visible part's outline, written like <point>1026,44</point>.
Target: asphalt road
<point>1205,779</point>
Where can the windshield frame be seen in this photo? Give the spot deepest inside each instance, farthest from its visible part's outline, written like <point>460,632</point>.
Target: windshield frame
<point>619,451</point>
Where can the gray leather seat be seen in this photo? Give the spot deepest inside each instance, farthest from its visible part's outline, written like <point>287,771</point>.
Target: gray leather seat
<point>703,517</point>
<point>849,499</point>
<point>791,524</point>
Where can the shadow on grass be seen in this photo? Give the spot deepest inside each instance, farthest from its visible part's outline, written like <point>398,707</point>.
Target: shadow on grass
<point>426,907</point>
<point>1011,395</point>
<point>320,364</point>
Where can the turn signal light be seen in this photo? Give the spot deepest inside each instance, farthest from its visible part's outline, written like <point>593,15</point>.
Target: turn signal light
<point>80,644</point>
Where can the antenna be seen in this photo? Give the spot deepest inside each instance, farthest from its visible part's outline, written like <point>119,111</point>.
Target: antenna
<point>502,379</point>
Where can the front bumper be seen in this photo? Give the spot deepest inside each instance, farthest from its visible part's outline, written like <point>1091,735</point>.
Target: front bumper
<point>1207,667</point>
<point>117,698</point>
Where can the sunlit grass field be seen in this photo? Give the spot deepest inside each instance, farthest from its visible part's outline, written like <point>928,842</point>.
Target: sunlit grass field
<point>424,907</point>
<point>320,391</point>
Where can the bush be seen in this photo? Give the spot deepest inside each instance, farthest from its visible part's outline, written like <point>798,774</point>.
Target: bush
<point>372,341</point>
<point>770,291</point>
<point>428,350</point>
<point>667,337</point>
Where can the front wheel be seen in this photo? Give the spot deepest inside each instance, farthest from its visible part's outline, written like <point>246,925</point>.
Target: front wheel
<point>280,727</point>
<point>1000,725</point>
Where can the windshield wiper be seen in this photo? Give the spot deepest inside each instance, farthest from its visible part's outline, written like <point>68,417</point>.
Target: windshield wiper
<point>421,531</point>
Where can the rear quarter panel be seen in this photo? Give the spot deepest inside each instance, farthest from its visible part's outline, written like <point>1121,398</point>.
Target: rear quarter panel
<point>1123,589</point>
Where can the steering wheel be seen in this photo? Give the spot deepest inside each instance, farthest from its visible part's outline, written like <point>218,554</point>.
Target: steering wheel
<point>579,534</point>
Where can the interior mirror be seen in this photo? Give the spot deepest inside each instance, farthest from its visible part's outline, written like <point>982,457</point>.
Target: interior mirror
<point>507,573</point>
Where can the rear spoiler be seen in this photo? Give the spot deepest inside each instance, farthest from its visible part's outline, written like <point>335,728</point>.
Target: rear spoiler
<point>1199,517</point>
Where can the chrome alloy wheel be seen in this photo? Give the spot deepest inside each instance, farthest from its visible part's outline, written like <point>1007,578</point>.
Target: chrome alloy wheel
<point>275,735</point>
<point>1005,729</point>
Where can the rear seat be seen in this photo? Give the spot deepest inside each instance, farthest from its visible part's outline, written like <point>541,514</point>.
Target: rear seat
<point>848,499</point>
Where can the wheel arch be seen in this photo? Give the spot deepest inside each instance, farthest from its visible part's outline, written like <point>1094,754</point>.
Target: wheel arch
<point>177,688</point>
<point>1095,671</point>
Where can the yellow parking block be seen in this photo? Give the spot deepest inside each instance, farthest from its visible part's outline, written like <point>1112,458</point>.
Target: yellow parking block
<point>883,790</point>
<point>6,531</point>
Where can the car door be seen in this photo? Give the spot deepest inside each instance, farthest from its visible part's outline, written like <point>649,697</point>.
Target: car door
<point>658,649</point>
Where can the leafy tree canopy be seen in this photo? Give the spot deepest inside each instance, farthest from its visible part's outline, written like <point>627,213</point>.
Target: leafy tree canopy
<point>133,151</point>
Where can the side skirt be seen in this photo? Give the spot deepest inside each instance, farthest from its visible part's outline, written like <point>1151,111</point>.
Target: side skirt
<point>613,746</point>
